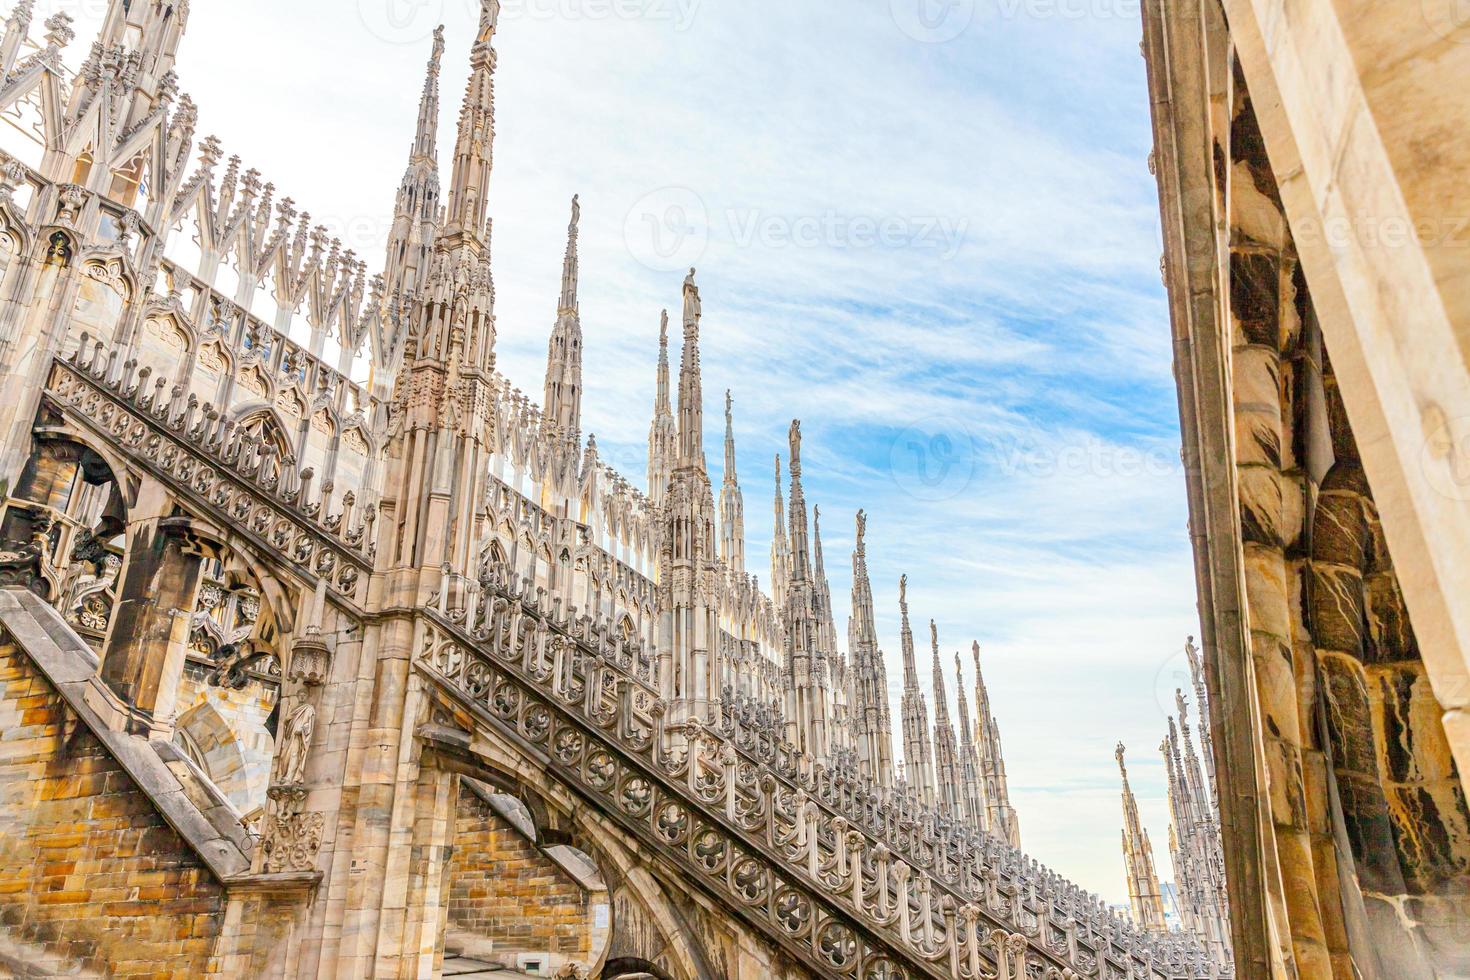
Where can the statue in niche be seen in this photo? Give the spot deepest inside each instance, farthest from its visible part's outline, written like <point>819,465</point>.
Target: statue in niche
<point>295,740</point>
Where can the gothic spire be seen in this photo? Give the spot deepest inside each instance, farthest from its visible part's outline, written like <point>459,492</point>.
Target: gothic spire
<point>873,725</point>
<point>416,210</point>
<point>864,638</point>
<point>730,478</point>
<point>1000,816</point>
<point>691,391</point>
<point>426,136</point>
<point>780,547</point>
<point>473,150</point>
<point>662,403</point>
<point>1202,700</point>
<point>825,621</point>
<point>801,566</point>
<point>662,434</point>
<point>563,403</point>
<point>1144,893</point>
<point>971,795</point>
<point>732,502</point>
<point>946,769</point>
<point>906,636</point>
<point>149,35</point>
<point>917,753</point>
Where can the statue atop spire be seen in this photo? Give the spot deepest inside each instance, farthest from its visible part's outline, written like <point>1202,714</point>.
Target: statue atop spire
<point>972,797</point>
<point>473,157</point>
<point>732,502</point>
<point>689,613</point>
<point>917,752</point>
<point>1000,817</point>
<point>872,721</point>
<point>426,137</point>
<point>1145,896</point>
<point>569,261</point>
<point>489,19</point>
<point>663,436</point>
<point>563,402</point>
<point>691,391</point>
<point>416,209</point>
<point>946,763</point>
<point>780,546</point>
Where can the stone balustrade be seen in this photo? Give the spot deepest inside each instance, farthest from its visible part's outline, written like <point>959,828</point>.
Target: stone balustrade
<point>861,885</point>
<point>233,476</point>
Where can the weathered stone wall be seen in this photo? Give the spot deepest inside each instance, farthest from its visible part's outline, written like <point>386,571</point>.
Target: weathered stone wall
<point>503,890</point>
<point>89,871</point>
<point>1363,784</point>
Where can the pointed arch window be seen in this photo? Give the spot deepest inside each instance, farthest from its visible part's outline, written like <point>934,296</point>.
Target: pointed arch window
<point>263,426</point>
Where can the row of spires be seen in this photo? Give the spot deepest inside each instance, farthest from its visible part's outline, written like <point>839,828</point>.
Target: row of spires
<point>1195,844</point>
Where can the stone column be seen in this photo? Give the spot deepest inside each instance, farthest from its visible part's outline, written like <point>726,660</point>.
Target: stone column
<point>143,652</point>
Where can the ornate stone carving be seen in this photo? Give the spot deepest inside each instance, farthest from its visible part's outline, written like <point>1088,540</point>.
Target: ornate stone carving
<point>293,834</point>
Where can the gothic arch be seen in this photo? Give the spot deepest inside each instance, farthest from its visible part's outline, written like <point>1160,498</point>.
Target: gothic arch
<point>632,968</point>
<point>264,419</point>
<point>649,917</point>
<point>214,744</point>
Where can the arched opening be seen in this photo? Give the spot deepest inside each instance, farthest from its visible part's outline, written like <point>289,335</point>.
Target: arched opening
<point>61,533</point>
<point>632,968</point>
<point>516,899</point>
<point>231,687</point>
<point>235,755</point>
<point>261,426</point>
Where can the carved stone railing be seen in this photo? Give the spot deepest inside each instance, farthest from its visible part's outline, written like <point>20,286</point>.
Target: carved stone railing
<point>900,900</point>
<point>231,477</point>
<point>976,866</point>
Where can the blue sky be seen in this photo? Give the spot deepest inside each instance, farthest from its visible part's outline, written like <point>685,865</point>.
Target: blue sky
<point>925,227</point>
